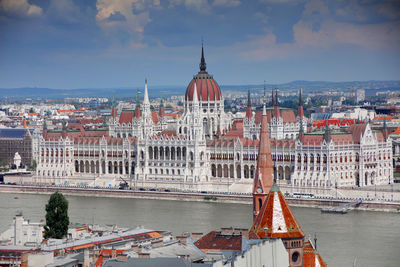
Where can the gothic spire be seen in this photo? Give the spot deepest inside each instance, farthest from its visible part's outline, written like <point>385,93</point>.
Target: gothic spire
<point>265,94</point>
<point>300,111</point>
<point>137,99</point>
<point>146,94</point>
<point>300,98</point>
<point>248,98</point>
<point>272,98</point>
<point>249,112</point>
<point>327,134</point>
<point>264,176</point>
<point>203,64</point>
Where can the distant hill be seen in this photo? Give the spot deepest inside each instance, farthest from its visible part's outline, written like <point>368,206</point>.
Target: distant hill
<point>164,91</point>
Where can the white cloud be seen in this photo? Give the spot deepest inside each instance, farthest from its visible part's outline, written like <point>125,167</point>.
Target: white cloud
<point>226,3</point>
<point>330,33</point>
<point>135,12</point>
<point>373,37</point>
<point>20,8</point>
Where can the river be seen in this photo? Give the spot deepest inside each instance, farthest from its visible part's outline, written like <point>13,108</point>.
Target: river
<point>369,238</point>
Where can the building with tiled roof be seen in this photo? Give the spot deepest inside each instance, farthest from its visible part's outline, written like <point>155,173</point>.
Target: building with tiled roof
<point>207,149</point>
<point>276,221</point>
<point>282,123</point>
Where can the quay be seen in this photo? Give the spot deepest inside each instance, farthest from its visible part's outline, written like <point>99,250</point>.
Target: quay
<point>213,197</point>
<point>342,209</point>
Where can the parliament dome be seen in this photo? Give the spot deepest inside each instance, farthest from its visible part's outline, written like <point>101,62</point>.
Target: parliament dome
<point>207,88</point>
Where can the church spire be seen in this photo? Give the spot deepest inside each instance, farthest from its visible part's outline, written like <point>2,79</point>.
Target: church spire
<point>137,99</point>
<point>146,94</point>
<point>300,110</point>
<point>272,98</point>
<point>264,176</point>
<point>277,113</point>
<point>385,130</point>
<point>203,65</point>
<point>249,112</point>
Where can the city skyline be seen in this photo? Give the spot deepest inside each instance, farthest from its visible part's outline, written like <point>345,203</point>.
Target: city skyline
<point>99,44</point>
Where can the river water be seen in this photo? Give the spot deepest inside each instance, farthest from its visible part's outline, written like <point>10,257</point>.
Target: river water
<point>367,238</point>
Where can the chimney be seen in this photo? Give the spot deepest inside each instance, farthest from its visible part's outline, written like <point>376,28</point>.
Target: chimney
<point>144,255</point>
<point>197,235</point>
<point>182,239</point>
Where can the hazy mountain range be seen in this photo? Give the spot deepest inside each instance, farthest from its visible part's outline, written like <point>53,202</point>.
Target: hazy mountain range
<point>164,91</point>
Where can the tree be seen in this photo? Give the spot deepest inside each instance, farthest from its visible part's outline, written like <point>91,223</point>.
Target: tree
<point>57,220</point>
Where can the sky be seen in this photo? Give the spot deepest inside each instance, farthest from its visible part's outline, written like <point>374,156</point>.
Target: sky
<point>118,43</point>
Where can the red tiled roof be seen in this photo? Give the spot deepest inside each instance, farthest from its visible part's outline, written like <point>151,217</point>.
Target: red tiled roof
<point>357,130</point>
<point>288,116</point>
<point>216,241</point>
<point>154,116</point>
<point>311,258</point>
<point>168,132</point>
<point>126,117</point>
<point>276,219</point>
<point>207,88</point>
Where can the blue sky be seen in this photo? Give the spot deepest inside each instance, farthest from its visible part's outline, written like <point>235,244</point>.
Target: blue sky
<point>117,43</point>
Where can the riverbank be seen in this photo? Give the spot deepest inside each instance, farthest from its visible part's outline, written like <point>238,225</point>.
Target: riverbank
<point>194,196</point>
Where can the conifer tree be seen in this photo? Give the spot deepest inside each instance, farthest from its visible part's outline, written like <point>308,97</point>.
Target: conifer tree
<point>57,220</point>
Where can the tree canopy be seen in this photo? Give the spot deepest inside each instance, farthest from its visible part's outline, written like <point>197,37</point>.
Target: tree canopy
<point>57,220</point>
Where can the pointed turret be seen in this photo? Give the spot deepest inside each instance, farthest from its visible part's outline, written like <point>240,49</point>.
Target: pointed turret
<point>195,96</point>
<point>276,220</point>
<point>249,112</point>
<point>137,113</point>
<point>300,111</point>
<point>327,134</point>
<point>264,177</point>
<point>272,98</point>
<point>202,65</point>
<point>385,131</point>
<point>276,113</point>
<point>114,112</point>
<point>301,132</point>
<point>146,94</point>
<point>161,110</point>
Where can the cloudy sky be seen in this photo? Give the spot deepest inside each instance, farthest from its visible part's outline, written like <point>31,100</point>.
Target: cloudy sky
<point>117,43</point>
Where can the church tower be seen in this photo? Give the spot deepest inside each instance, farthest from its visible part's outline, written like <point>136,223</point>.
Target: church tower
<point>147,118</point>
<point>264,177</point>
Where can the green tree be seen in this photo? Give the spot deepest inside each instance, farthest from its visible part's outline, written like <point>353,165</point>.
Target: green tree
<point>57,220</point>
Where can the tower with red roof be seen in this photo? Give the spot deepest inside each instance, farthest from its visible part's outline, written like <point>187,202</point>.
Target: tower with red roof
<point>264,177</point>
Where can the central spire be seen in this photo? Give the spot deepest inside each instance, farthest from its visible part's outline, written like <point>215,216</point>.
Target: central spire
<point>203,65</point>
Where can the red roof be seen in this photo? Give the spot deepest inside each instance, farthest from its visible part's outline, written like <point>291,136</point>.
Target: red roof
<point>207,88</point>
<point>275,219</point>
<point>288,116</point>
<point>216,240</point>
<point>264,177</point>
<point>126,117</point>
<point>311,258</point>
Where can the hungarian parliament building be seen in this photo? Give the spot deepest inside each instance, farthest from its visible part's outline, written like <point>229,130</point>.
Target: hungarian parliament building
<point>209,149</point>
